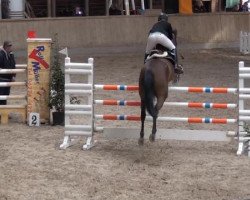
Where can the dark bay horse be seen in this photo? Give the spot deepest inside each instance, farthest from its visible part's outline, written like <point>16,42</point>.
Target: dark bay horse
<point>153,85</point>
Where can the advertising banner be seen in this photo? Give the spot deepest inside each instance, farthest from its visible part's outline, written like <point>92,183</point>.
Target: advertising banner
<point>38,79</point>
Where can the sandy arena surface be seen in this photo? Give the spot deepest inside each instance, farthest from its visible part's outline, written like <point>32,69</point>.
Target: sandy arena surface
<point>33,168</point>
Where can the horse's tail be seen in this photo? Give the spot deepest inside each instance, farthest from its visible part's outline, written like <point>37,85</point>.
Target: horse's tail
<point>149,92</point>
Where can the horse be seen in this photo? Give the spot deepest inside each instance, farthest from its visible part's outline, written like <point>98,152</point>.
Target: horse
<point>154,78</point>
<point>153,84</point>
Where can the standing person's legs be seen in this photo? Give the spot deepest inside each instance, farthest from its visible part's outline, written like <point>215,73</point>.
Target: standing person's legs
<point>4,91</point>
<point>7,91</point>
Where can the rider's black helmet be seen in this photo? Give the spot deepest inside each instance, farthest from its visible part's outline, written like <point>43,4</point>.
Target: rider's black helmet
<point>163,16</point>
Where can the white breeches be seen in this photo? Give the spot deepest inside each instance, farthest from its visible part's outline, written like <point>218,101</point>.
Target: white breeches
<point>158,38</point>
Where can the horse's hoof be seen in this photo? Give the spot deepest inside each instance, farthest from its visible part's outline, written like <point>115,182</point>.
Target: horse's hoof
<point>152,138</point>
<point>141,141</point>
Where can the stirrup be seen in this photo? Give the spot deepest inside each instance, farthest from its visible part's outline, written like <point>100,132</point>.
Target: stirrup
<point>178,69</point>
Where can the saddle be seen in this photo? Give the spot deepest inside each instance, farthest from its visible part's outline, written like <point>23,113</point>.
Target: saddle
<point>155,53</point>
<point>166,54</point>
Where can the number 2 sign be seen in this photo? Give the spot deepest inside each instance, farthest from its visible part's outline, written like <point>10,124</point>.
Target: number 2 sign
<point>34,119</point>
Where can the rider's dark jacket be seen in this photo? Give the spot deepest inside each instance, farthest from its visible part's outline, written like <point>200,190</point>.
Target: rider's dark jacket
<point>7,61</point>
<point>163,27</point>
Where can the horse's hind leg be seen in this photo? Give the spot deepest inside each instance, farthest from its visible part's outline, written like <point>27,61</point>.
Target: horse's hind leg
<point>152,136</point>
<point>143,116</point>
<point>158,106</point>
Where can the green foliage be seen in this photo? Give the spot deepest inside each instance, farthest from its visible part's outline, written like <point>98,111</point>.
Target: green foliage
<point>57,78</point>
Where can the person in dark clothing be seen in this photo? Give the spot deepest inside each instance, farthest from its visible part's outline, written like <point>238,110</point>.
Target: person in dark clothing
<point>115,7</point>
<point>162,33</point>
<point>7,61</point>
<point>79,11</point>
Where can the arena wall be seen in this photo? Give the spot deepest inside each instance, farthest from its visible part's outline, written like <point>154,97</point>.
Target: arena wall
<point>209,30</point>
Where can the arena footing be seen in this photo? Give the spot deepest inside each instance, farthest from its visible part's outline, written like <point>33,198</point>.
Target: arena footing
<point>169,134</point>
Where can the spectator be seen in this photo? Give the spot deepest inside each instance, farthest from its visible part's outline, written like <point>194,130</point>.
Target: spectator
<point>79,11</point>
<point>7,61</point>
<point>198,6</point>
<point>245,6</point>
<point>116,7</point>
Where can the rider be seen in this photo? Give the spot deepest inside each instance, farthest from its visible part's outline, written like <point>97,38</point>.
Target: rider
<point>162,33</point>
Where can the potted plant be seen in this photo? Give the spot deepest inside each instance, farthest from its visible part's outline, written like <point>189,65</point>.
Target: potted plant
<point>57,93</point>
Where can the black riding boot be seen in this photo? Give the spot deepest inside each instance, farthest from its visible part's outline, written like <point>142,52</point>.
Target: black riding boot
<point>145,57</point>
<point>177,68</point>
